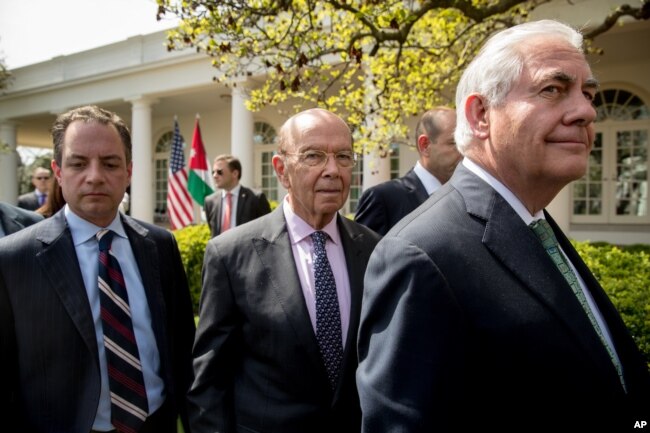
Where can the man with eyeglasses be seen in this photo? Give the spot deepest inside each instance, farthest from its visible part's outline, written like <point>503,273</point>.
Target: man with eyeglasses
<point>235,204</point>
<point>276,343</point>
<point>35,199</point>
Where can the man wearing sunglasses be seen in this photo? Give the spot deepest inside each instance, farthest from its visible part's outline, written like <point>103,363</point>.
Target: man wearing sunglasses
<point>235,204</point>
<point>35,199</point>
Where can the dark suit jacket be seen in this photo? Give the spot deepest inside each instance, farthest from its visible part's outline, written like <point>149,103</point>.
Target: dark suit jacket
<point>29,201</point>
<point>14,218</point>
<point>49,367</point>
<point>256,359</point>
<point>467,325</point>
<point>250,205</point>
<point>383,205</point>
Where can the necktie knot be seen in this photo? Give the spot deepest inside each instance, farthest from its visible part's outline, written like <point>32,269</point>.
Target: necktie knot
<point>544,232</point>
<point>319,238</point>
<point>105,238</point>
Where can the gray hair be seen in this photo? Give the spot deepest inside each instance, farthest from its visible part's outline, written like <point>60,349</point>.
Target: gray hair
<point>499,64</point>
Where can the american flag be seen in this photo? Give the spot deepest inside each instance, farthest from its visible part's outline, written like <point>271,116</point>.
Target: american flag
<point>179,202</point>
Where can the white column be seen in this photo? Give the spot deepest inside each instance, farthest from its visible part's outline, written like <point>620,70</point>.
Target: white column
<point>8,163</point>
<point>241,130</point>
<point>560,208</point>
<point>376,169</point>
<point>142,182</point>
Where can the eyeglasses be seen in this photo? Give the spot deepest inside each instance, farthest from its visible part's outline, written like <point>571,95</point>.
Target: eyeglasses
<point>42,177</point>
<point>318,158</point>
<point>218,171</point>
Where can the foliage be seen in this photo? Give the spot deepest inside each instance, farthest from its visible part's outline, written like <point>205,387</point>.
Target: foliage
<point>624,273</point>
<point>375,62</point>
<point>192,241</point>
<point>5,75</point>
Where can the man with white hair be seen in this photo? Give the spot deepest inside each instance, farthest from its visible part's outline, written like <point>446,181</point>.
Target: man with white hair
<point>474,318</point>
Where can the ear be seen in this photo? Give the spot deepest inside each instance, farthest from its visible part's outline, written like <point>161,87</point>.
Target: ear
<point>476,113</point>
<point>56,170</point>
<point>129,170</point>
<point>423,144</point>
<point>280,170</point>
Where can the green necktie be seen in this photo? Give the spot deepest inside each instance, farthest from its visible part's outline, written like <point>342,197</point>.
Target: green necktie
<point>544,232</point>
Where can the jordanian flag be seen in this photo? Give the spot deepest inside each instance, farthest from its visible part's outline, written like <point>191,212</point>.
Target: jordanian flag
<point>199,180</point>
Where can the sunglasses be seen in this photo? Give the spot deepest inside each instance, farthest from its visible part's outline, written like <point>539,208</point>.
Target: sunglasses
<point>219,172</point>
<point>43,177</point>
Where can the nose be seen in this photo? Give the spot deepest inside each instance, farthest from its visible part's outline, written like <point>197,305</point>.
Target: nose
<point>94,172</point>
<point>331,168</point>
<point>583,112</point>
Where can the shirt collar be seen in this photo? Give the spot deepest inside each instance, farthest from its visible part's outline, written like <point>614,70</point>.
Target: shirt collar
<point>507,195</point>
<point>83,230</point>
<point>234,191</point>
<point>299,229</point>
<point>430,182</point>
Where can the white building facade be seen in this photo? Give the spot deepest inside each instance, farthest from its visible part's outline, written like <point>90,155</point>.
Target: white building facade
<point>147,86</point>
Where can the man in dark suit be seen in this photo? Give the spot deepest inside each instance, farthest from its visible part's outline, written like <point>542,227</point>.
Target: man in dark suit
<point>262,359</point>
<point>467,322</point>
<point>41,179</point>
<point>13,218</point>
<point>382,206</point>
<point>59,371</point>
<point>244,204</point>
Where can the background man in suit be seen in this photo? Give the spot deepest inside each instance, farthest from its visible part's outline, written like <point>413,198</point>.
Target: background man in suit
<point>261,361</point>
<point>383,205</point>
<point>245,204</point>
<point>54,373</point>
<point>41,179</point>
<point>467,323</point>
<point>13,218</point>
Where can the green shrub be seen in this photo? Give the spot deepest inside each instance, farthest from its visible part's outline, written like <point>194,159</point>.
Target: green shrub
<point>624,273</point>
<point>191,243</point>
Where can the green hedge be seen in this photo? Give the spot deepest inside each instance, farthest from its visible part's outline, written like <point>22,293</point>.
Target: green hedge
<point>623,271</point>
<point>191,243</point>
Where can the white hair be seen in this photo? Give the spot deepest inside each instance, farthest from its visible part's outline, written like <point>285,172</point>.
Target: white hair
<point>498,65</point>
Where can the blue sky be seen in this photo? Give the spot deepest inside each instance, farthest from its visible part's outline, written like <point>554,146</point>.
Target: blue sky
<point>32,31</point>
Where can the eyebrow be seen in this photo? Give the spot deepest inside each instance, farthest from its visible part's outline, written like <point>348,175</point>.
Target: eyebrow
<point>590,83</point>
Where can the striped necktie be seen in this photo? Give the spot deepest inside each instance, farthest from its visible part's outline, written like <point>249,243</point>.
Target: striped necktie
<point>544,232</point>
<point>129,405</point>
<point>328,315</point>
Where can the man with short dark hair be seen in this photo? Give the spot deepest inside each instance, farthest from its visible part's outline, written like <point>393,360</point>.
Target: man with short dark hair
<point>41,179</point>
<point>234,204</point>
<point>96,323</point>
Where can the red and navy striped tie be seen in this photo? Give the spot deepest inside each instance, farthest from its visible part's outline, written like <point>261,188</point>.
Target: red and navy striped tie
<point>129,405</point>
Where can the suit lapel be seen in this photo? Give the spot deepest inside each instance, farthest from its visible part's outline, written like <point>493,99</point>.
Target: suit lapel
<point>518,249</point>
<point>242,203</point>
<point>59,262</point>
<point>414,185</point>
<point>275,253</point>
<point>353,247</point>
<point>146,257</point>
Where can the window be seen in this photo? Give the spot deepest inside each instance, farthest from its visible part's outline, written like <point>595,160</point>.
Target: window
<point>615,187</point>
<point>264,136</point>
<point>161,171</point>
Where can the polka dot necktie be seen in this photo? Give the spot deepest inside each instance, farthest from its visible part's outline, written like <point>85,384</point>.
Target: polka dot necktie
<point>129,406</point>
<point>544,232</point>
<point>328,316</point>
